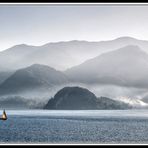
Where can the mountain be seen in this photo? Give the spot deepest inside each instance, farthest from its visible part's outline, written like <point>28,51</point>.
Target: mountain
<point>61,55</point>
<point>77,98</point>
<point>10,58</point>
<point>127,66</point>
<point>35,78</point>
<point>5,75</point>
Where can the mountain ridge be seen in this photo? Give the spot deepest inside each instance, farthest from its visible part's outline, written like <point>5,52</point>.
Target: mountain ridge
<point>127,65</point>
<point>32,77</point>
<point>68,52</point>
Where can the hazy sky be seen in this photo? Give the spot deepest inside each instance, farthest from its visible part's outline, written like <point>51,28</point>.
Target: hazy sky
<point>37,25</point>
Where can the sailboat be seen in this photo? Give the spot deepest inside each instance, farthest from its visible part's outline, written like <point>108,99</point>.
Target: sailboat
<point>4,116</point>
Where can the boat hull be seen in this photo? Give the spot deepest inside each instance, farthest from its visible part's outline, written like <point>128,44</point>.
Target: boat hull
<point>2,119</point>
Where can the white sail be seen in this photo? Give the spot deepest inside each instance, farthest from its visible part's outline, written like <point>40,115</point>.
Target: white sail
<point>4,116</point>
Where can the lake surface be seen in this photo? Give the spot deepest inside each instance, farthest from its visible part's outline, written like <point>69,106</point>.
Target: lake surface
<point>70,127</point>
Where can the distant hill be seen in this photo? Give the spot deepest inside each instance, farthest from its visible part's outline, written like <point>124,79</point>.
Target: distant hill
<point>34,78</point>
<point>61,55</point>
<point>5,75</point>
<point>127,66</point>
<point>77,98</point>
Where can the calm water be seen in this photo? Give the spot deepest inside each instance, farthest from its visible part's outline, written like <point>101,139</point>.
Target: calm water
<point>41,126</point>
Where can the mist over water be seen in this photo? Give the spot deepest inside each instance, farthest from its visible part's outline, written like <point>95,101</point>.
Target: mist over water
<point>40,98</point>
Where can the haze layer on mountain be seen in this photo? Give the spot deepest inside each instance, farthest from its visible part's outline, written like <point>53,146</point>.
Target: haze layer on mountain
<point>62,55</point>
